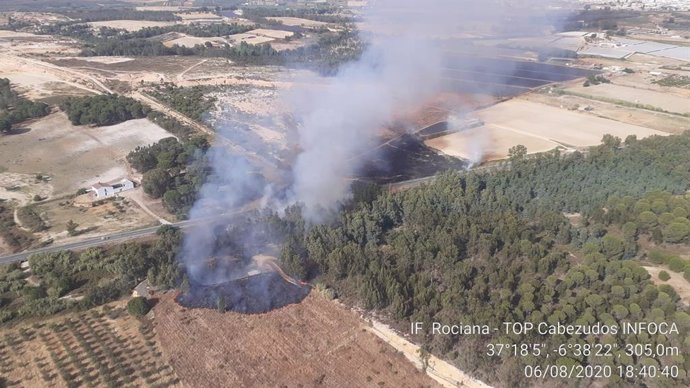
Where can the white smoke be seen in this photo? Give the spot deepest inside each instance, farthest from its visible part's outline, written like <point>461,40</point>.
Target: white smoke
<point>339,120</point>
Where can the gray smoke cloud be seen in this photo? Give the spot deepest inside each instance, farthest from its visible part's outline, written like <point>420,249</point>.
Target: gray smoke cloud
<point>339,120</point>
<point>402,66</point>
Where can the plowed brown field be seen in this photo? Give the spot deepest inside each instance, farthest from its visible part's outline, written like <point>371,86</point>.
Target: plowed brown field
<point>314,343</point>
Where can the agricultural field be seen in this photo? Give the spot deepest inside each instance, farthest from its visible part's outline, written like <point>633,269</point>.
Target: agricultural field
<point>487,143</point>
<point>511,123</point>
<point>574,129</point>
<point>654,99</point>
<point>75,156</point>
<point>664,122</point>
<point>101,347</point>
<point>315,342</point>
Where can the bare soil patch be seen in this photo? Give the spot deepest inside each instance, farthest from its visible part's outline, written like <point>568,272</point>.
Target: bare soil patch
<point>110,216</point>
<point>191,41</point>
<point>488,143</point>
<point>75,156</point>
<point>677,281</point>
<point>21,188</point>
<point>312,343</point>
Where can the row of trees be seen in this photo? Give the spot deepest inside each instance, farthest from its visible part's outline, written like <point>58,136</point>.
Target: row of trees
<point>14,109</point>
<point>97,15</point>
<point>107,109</point>
<point>447,251</point>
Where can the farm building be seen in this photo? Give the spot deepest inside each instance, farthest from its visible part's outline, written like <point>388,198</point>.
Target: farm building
<point>105,190</point>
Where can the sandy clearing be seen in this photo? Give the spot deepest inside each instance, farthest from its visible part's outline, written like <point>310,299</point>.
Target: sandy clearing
<point>677,281</point>
<point>38,85</point>
<point>5,34</point>
<point>191,41</point>
<point>21,188</point>
<point>75,156</point>
<point>275,34</point>
<point>194,16</point>
<point>663,100</point>
<point>129,25</point>
<point>488,142</point>
<point>104,60</point>
<point>562,126</point>
<point>298,22</point>
<point>249,38</point>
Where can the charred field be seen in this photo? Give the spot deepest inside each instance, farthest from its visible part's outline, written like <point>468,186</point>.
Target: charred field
<point>406,157</point>
<point>250,295</point>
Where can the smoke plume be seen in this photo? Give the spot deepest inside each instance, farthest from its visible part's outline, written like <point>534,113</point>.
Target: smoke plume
<point>402,66</point>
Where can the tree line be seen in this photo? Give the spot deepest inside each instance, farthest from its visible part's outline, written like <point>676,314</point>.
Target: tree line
<point>100,110</point>
<point>98,15</point>
<point>15,109</point>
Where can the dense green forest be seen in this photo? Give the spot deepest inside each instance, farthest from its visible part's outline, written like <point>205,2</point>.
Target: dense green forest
<point>99,275</point>
<point>100,110</point>
<point>14,109</point>
<point>486,247</point>
<point>173,171</point>
<point>192,101</point>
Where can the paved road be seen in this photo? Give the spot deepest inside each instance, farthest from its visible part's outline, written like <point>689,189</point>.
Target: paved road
<point>92,242</point>
<point>122,236</point>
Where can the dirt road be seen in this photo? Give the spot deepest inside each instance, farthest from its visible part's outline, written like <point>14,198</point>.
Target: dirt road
<point>439,370</point>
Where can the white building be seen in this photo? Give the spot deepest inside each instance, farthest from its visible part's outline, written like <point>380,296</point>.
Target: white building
<point>105,190</point>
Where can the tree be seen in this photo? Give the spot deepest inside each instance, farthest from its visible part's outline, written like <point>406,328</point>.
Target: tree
<point>663,275</point>
<point>647,220</point>
<point>138,306</point>
<point>517,152</point>
<point>676,232</point>
<point>72,228</point>
<point>612,247</point>
<point>156,182</point>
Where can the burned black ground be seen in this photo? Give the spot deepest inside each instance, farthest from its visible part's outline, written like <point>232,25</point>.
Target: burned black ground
<point>251,295</point>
